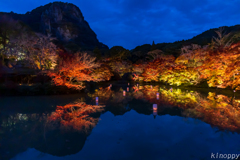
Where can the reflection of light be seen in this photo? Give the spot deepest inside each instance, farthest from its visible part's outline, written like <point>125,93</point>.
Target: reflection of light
<point>127,89</point>
<point>124,93</point>
<point>154,112</point>
<point>151,86</point>
<point>110,85</point>
<point>234,90</point>
<point>128,83</point>
<point>155,107</point>
<point>96,99</point>
<point>97,103</point>
<point>157,96</point>
<point>137,85</point>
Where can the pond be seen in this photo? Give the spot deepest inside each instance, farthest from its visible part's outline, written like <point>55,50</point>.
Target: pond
<point>126,122</point>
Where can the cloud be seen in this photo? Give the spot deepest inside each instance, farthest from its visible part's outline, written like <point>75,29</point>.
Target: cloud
<point>130,23</point>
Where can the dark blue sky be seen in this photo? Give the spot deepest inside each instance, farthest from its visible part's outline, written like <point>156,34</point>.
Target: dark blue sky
<point>130,23</point>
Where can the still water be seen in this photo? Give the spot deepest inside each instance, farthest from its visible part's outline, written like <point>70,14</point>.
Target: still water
<point>139,122</point>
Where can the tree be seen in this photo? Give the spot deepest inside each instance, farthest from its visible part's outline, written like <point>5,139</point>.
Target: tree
<point>223,40</point>
<point>23,46</point>
<point>97,53</point>
<point>73,72</point>
<point>118,52</point>
<point>153,47</point>
<point>154,54</point>
<point>154,69</point>
<point>8,27</point>
<point>45,52</point>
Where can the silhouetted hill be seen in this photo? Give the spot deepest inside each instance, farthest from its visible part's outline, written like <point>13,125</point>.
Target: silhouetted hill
<point>65,22</point>
<point>174,48</point>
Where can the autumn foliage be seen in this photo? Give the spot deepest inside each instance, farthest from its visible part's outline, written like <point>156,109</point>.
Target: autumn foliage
<point>217,110</point>
<point>75,116</point>
<point>81,67</point>
<point>219,68</point>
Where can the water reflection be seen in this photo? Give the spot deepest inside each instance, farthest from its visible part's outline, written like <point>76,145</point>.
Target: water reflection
<point>55,132</point>
<point>65,130</point>
<point>217,110</point>
<point>74,116</point>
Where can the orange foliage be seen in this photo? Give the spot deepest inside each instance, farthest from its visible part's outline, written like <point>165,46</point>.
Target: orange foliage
<point>218,110</point>
<point>75,116</point>
<point>73,72</point>
<point>153,69</point>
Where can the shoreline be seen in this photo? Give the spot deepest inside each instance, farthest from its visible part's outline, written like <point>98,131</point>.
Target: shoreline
<point>48,89</point>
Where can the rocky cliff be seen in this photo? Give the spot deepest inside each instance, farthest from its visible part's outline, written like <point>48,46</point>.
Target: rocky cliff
<point>63,21</point>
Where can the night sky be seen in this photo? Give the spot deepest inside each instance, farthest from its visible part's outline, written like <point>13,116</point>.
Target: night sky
<point>130,23</point>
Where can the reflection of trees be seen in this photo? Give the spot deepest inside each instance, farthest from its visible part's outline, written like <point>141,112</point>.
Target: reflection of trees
<point>111,98</point>
<point>74,116</point>
<point>104,94</point>
<point>54,133</point>
<point>218,110</point>
<point>221,111</point>
<point>19,131</point>
<point>107,96</point>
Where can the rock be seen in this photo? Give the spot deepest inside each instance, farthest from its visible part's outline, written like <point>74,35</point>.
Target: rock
<point>66,22</point>
<point>63,21</point>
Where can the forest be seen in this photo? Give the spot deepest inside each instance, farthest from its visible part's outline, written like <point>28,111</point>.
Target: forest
<point>30,58</point>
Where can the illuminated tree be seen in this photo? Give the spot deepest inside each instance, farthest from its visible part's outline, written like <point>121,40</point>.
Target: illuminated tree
<point>119,66</point>
<point>23,46</point>
<point>8,27</point>
<point>137,70</point>
<point>102,72</point>
<point>72,72</point>
<point>221,68</point>
<point>45,52</point>
<point>154,69</point>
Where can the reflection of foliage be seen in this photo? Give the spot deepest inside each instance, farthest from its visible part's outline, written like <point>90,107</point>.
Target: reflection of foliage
<point>221,111</point>
<point>75,116</point>
<point>217,110</point>
<point>104,94</point>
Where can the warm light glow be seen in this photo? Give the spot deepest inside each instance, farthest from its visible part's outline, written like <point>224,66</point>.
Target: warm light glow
<point>124,93</point>
<point>154,112</point>
<point>157,96</point>
<point>96,99</point>
<point>155,107</point>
